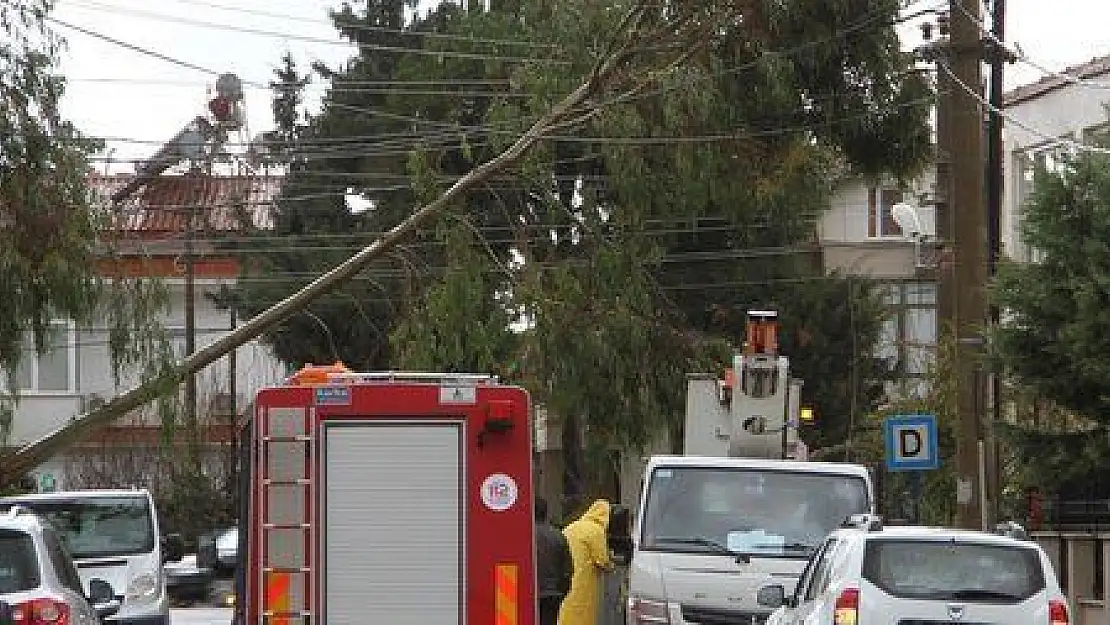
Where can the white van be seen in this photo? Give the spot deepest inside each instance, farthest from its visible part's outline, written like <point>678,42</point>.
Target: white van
<point>114,535</point>
<point>711,531</point>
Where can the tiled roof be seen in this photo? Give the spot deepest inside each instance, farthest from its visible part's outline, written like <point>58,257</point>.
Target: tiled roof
<point>162,205</point>
<point>1094,68</point>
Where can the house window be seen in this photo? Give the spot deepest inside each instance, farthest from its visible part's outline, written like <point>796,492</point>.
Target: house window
<point>880,212</point>
<point>909,336</point>
<point>52,371</point>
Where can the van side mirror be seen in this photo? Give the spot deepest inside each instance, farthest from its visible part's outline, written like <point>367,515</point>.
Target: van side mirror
<point>773,596</point>
<point>173,548</point>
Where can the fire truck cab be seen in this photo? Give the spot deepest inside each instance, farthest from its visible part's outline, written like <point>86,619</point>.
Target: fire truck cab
<point>400,498</point>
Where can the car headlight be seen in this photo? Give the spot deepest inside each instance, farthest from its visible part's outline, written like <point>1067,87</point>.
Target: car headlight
<point>647,612</point>
<point>142,587</point>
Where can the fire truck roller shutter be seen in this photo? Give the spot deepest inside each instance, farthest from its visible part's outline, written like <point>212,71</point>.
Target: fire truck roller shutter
<point>393,530</point>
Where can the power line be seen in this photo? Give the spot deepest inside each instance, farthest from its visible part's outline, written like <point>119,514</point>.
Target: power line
<point>475,56</point>
<point>450,131</point>
<point>337,84</point>
<point>400,148</point>
<point>454,129</point>
<point>367,28</point>
<point>133,47</point>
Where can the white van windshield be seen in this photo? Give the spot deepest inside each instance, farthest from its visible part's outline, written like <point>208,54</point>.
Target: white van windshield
<point>95,527</point>
<point>773,513</point>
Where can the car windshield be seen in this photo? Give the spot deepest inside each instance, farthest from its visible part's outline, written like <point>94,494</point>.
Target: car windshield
<point>95,527</point>
<point>772,513</point>
<point>954,571</point>
<point>19,568</point>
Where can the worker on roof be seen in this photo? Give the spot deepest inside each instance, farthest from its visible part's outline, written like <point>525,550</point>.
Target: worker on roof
<point>589,552</point>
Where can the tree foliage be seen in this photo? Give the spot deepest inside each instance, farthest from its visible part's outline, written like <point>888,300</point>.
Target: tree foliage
<point>57,241</point>
<point>1057,310</point>
<point>47,227</point>
<point>462,326</point>
<point>1055,320</point>
<point>646,227</point>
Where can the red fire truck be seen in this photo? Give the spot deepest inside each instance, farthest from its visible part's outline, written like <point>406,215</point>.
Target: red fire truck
<point>399,498</point>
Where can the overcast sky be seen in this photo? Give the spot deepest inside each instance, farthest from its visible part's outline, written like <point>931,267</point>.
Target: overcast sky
<point>121,93</point>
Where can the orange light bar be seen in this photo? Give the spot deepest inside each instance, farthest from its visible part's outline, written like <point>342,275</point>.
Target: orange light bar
<point>277,598</point>
<point>317,374</point>
<point>506,600</point>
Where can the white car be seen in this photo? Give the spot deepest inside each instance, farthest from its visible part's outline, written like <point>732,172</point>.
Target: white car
<point>868,573</point>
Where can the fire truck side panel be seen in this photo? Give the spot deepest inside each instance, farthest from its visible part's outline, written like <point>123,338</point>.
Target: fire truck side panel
<point>411,492</point>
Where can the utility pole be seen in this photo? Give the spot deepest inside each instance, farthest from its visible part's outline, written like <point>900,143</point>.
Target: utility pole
<point>942,202</point>
<point>965,124</point>
<point>190,311</point>
<point>233,390</point>
<point>201,176</point>
<point>994,231</point>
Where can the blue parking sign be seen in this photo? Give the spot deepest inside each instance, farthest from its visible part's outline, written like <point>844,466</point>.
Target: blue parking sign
<point>911,442</point>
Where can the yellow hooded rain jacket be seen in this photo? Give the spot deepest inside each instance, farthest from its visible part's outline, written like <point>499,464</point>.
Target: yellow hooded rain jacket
<point>589,552</point>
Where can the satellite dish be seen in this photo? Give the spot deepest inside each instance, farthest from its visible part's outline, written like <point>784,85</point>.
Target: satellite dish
<point>229,86</point>
<point>227,106</point>
<point>908,219</point>
<point>356,202</point>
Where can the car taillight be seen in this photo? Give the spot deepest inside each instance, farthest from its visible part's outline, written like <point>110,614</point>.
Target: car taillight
<point>41,612</point>
<point>1057,612</point>
<point>846,609</point>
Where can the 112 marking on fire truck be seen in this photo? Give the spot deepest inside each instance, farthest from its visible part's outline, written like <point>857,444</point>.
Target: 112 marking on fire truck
<point>401,498</point>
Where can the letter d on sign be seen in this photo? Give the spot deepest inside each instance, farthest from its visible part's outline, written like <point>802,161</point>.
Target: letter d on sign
<point>909,443</point>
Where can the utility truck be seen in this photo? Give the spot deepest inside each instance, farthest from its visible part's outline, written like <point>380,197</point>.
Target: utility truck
<point>741,508</point>
<point>400,498</point>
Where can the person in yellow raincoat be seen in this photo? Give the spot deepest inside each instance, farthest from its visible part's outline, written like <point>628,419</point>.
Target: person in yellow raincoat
<point>589,554</point>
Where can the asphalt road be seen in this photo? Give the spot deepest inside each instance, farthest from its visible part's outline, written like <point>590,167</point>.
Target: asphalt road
<point>200,616</point>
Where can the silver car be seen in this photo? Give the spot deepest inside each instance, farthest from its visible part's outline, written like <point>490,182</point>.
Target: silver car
<point>38,579</point>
